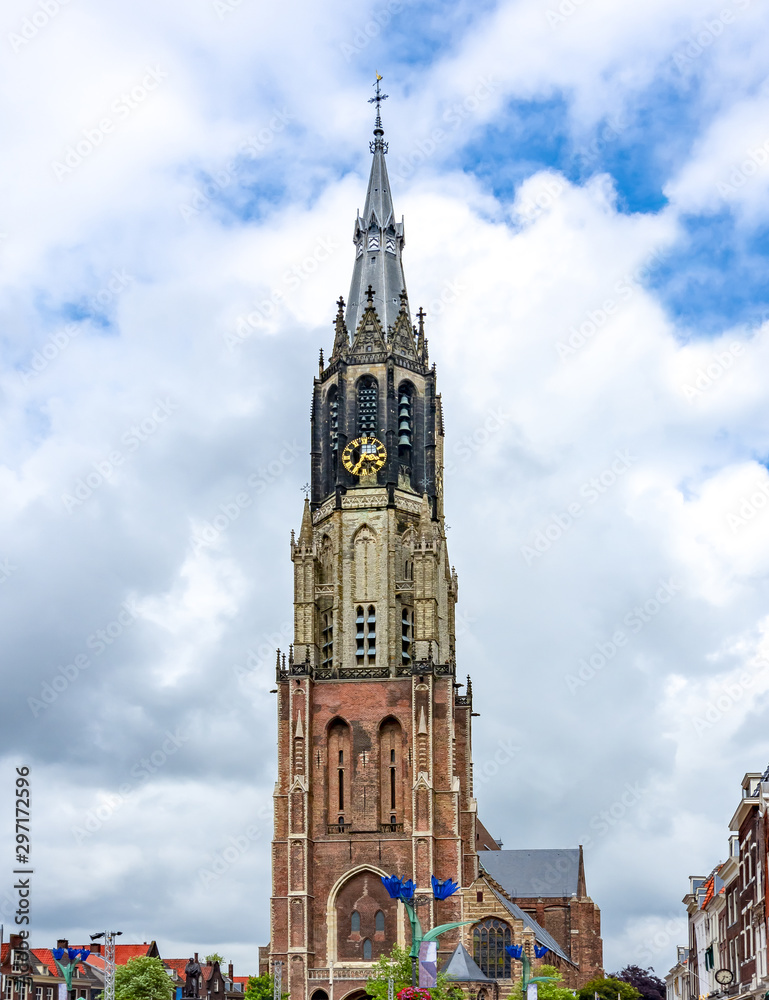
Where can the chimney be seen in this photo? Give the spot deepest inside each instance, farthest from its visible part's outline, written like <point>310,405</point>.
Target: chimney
<point>62,943</point>
<point>230,971</point>
<point>14,941</point>
<point>196,956</point>
<point>96,947</point>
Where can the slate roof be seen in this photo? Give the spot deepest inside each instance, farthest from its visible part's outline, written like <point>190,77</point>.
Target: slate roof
<point>383,269</point>
<point>462,968</point>
<point>541,936</point>
<point>534,874</point>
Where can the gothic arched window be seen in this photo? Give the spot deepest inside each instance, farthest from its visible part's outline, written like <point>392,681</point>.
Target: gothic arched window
<point>391,774</point>
<point>489,941</point>
<point>355,922</point>
<point>338,780</point>
<point>365,635</point>
<point>333,425</point>
<point>379,922</point>
<point>368,406</point>
<point>327,636</point>
<point>367,950</point>
<point>407,622</point>
<point>405,422</point>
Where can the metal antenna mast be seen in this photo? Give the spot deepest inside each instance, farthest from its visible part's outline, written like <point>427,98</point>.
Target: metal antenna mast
<point>109,961</point>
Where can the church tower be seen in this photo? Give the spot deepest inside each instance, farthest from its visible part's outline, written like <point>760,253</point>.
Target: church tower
<point>374,736</point>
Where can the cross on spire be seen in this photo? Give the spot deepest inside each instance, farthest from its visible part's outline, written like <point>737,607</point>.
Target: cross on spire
<point>370,293</point>
<point>377,99</point>
<point>421,315</point>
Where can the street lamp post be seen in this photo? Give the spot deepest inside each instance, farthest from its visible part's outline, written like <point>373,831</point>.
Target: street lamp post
<point>75,956</point>
<point>403,889</point>
<point>517,952</point>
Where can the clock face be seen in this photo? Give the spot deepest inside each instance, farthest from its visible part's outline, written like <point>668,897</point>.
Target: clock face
<point>724,977</point>
<point>364,455</point>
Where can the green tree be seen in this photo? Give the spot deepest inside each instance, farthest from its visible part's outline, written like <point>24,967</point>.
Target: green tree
<point>550,991</point>
<point>216,957</point>
<point>397,966</point>
<point>143,978</point>
<point>608,989</point>
<point>261,988</point>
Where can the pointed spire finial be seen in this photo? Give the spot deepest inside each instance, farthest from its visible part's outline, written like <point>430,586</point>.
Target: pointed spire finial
<point>305,532</point>
<point>378,144</point>
<point>370,293</point>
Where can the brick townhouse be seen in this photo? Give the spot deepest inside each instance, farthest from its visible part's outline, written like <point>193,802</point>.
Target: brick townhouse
<point>727,910</point>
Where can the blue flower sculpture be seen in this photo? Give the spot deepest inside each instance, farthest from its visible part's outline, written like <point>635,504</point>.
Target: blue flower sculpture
<point>442,890</point>
<point>540,951</point>
<point>58,954</point>
<point>393,885</point>
<point>408,888</point>
<point>514,950</point>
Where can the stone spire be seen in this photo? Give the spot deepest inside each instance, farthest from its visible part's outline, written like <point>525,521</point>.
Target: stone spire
<point>341,337</point>
<point>379,242</point>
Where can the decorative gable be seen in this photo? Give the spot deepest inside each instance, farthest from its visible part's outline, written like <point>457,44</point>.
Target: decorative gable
<point>369,337</point>
<point>402,336</point>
